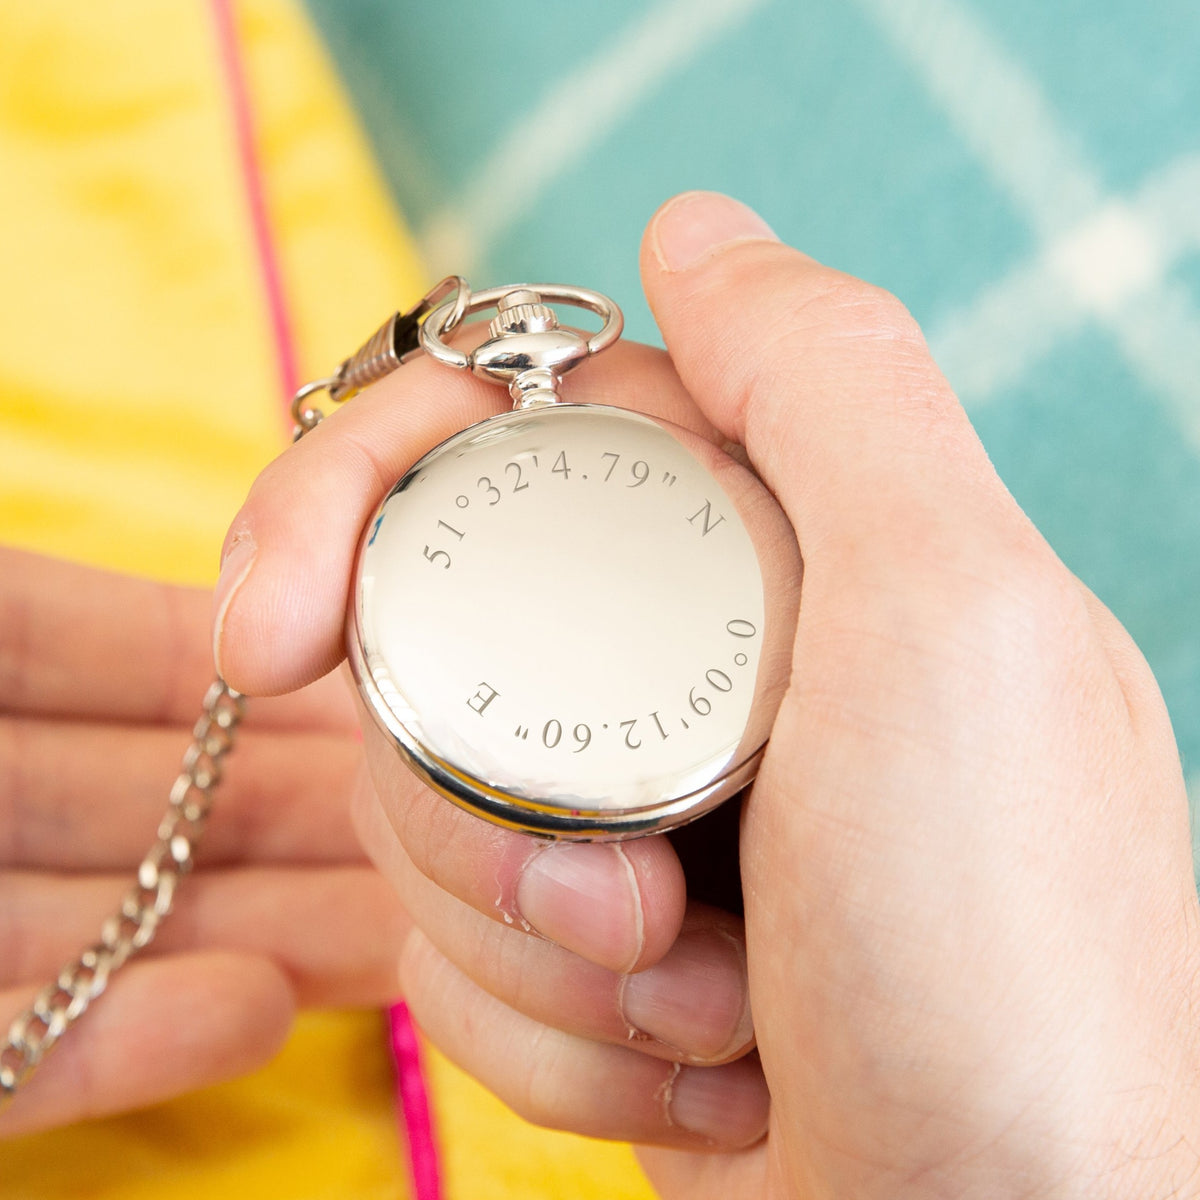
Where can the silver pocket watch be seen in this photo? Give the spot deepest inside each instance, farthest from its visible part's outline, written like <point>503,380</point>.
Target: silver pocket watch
<point>574,620</point>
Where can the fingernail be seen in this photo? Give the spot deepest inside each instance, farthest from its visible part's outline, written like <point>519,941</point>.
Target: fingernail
<point>727,1105</point>
<point>696,225</point>
<point>235,568</point>
<point>585,898</point>
<point>696,999</point>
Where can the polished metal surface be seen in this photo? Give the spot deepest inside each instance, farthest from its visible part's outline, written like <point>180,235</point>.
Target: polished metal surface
<point>576,620</point>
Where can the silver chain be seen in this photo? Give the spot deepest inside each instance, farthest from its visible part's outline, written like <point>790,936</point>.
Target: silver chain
<point>36,1031</point>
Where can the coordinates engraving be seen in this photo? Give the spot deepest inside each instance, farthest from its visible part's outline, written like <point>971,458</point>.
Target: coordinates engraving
<point>703,697</point>
<point>609,469</point>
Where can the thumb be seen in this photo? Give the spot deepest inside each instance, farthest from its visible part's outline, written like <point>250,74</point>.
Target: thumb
<point>828,384</point>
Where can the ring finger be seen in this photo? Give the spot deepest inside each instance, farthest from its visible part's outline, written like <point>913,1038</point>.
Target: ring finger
<point>692,1005</point>
<point>335,931</point>
<point>565,1082</point>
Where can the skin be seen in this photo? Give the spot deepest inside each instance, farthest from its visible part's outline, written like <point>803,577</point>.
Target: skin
<point>102,678</point>
<point>970,920</point>
<point>969,943</point>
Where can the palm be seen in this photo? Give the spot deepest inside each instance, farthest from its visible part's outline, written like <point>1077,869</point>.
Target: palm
<point>906,926</point>
<point>101,679</point>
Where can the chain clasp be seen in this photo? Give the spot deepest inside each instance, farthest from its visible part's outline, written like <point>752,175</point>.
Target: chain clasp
<point>389,347</point>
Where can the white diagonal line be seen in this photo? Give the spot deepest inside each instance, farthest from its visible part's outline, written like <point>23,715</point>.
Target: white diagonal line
<point>1159,332</point>
<point>1103,259</point>
<point>998,109</point>
<point>1111,266</point>
<point>1171,202</point>
<point>1010,326</point>
<point>579,111</point>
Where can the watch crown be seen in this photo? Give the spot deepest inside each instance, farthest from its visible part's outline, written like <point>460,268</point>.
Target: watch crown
<point>522,311</point>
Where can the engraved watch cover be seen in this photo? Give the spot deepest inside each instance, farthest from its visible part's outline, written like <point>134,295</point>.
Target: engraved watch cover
<point>577,620</point>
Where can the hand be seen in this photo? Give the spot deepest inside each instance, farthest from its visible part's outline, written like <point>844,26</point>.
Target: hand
<point>101,678</point>
<point>971,922</point>
<point>620,1028</point>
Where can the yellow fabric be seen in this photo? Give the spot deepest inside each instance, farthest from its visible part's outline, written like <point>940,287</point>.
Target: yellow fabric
<point>488,1154</point>
<point>139,395</point>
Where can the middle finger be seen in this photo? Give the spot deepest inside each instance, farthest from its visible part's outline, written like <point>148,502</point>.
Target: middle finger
<point>692,1006</point>
<point>616,904</point>
<point>337,932</point>
<point>84,796</point>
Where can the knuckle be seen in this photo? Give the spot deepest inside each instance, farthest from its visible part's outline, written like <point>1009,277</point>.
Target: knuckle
<point>18,937</point>
<point>1026,622</point>
<point>837,327</point>
<point>845,308</point>
<point>443,847</point>
<point>1001,617</point>
<point>1033,593</point>
<point>176,638</point>
<point>539,1094</point>
<point>16,650</point>
<point>13,788</point>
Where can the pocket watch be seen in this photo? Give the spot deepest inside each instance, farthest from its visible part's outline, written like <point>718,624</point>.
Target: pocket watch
<point>574,620</point>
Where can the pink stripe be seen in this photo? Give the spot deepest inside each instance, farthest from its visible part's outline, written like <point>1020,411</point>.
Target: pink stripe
<point>252,178</point>
<point>414,1103</point>
<point>412,1094</point>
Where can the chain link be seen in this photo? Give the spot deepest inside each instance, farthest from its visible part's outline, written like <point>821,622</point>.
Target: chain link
<point>35,1032</point>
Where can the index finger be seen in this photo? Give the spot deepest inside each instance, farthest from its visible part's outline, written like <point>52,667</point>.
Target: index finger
<point>82,643</point>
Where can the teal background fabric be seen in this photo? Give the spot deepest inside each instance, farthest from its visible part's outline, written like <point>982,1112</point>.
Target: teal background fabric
<point>1026,177</point>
